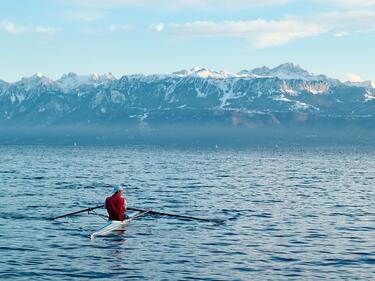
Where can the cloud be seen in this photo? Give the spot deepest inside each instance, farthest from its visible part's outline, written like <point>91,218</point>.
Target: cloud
<point>12,28</point>
<point>350,3</point>
<point>351,77</point>
<point>267,33</point>
<point>346,23</point>
<point>116,27</point>
<point>217,4</point>
<point>177,4</point>
<point>85,15</point>
<point>45,30</point>
<point>260,33</point>
<point>159,27</point>
<point>341,34</point>
<point>87,30</point>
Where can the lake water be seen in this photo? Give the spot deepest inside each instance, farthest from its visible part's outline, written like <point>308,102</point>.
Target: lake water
<point>305,213</point>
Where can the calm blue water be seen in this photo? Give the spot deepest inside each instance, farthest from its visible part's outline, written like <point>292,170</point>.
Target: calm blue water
<point>290,213</point>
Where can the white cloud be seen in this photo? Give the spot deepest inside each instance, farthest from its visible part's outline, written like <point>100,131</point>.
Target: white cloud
<point>178,4</point>
<point>12,28</point>
<point>88,15</point>
<point>341,34</point>
<point>116,27</point>
<point>260,33</point>
<point>45,30</point>
<point>350,3</point>
<point>346,23</point>
<point>351,77</point>
<point>87,30</point>
<point>353,18</point>
<point>159,27</point>
<point>217,4</point>
<point>266,33</point>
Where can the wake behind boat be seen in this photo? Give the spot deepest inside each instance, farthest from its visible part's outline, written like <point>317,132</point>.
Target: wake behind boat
<point>113,225</point>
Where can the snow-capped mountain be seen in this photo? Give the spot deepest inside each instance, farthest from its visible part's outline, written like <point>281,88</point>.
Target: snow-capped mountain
<point>37,80</point>
<point>71,80</point>
<point>203,73</point>
<point>365,84</point>
<point>284,71</point>
<point>280,97</point>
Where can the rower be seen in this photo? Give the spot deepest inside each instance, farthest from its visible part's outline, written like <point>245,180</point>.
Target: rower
<point>116,204</point>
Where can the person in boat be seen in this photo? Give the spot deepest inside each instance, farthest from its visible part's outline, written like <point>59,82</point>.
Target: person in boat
<point>116,204</point>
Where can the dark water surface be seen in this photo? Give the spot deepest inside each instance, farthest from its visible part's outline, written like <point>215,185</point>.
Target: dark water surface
<point>290,214</point>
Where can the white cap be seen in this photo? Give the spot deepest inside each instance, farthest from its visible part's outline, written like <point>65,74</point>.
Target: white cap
<point>118,188</point>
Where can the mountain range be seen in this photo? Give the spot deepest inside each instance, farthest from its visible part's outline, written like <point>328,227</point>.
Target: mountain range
<point>285,101</point>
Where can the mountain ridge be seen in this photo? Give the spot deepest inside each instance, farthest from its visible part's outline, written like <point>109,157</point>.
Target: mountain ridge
<point>188,99</point>
<point>283,71</point>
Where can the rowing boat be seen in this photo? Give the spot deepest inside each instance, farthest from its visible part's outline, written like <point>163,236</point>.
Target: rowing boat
<point>112,225</point>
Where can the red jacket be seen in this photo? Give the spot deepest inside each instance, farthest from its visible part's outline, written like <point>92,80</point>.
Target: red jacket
<point>115,206</point>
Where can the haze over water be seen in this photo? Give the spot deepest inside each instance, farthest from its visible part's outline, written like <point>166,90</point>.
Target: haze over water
<point>289,213</point>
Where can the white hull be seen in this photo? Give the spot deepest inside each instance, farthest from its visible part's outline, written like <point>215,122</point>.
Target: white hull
<point>114,225</point>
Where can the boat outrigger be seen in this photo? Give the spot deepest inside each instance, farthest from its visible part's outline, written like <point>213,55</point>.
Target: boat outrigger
<point>112,225</point>
<point>116,225</point>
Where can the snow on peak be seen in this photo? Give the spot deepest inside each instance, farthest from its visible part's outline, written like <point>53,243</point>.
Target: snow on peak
<point>100,78</point>
<point>291,67</point>
<point>365,84</point>
<point>35,80</point>
<point>109,76</point>
<point>203,73</point>
<point>38,75</point>
<point>95,76</point>
<point>369,96</point>
<point>72,80</point>
<point>283,71</point>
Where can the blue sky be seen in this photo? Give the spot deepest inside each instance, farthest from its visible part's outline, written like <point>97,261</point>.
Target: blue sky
<point>333,37</point>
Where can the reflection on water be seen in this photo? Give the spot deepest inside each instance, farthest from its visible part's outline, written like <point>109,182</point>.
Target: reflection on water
<point>289,214</point>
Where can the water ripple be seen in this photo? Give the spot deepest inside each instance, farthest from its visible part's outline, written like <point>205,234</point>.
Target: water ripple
<point>279,214</point>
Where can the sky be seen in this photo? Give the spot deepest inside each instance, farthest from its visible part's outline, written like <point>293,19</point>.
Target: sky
<point>53,37</point>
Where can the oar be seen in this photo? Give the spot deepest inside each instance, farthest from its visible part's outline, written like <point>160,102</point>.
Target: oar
<point>139,210</point>
<point>169,214</point>
<point>74,213</point>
